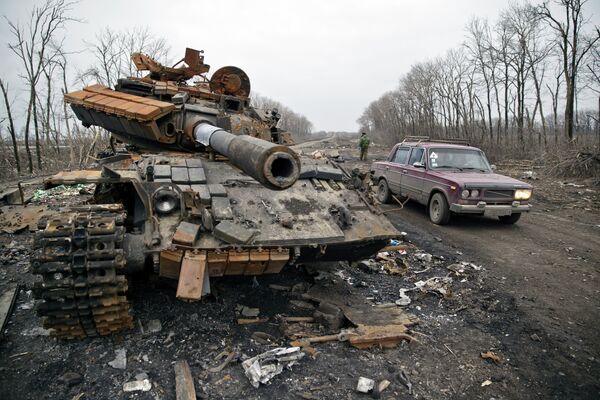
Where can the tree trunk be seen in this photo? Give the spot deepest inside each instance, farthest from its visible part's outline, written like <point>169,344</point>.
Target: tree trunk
<point>569,108</point>
<point>13,134</point>
<point>36,128</point>
<point>27,121</point>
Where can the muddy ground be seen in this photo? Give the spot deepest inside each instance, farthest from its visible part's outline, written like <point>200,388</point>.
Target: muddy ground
<point>531,296</point>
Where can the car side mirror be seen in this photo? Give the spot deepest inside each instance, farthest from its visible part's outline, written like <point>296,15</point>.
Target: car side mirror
<point>419,164</point>
<point>493,167</point>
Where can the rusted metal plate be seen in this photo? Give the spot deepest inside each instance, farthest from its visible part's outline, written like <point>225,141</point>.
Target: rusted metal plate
<point>101,98</point>
<point>217,263</point>
<point>16,218</point>
<point>191,276</point>
<point>258,262</point>
<point>238,261</point>
<point>170,263</point>
<point>7,302</point>
<point>184,383</point>
<point>277,260</point>
<point>186,233</point>
<point>380,335</point>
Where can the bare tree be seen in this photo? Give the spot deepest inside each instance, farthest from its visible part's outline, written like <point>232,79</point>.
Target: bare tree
<point>573,47</point>
<point>11,125</point>
<point>30,44</point>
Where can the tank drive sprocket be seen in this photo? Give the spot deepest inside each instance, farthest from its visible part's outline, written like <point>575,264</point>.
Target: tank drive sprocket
<point>80,259</point>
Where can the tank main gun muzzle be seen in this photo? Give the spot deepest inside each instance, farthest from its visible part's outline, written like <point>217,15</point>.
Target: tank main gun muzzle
<point>275,166</point>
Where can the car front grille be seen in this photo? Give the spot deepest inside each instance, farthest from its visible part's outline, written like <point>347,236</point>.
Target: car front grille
<point>498,195</point>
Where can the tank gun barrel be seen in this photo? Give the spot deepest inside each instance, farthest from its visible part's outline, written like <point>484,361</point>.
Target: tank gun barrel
<point>275,166</point>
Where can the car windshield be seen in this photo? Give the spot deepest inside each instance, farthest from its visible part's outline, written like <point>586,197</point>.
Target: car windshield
<point>460,159</point>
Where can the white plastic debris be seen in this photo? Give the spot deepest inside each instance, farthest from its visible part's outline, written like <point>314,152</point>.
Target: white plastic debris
<point>424,257</point>
<point>487,382</point>
<point>404,300</point>
<point>263,367</point>
<point>435,284</point>
<point>365,385</point>
<point>137,386</point>
<point>120,361</point>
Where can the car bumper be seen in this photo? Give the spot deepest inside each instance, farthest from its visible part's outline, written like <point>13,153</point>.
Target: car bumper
<point>489,209</point>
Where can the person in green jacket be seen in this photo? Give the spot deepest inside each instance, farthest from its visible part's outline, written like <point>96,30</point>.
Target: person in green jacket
<point>363,144</point>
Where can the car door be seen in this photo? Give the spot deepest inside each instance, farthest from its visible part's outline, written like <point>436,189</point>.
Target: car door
<point>396,166</point>
<point>411,183</point>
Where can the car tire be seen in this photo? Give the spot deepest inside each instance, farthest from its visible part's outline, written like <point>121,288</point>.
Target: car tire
<point>510,219</point>
<point>439,211</point>
<point>383,192</point>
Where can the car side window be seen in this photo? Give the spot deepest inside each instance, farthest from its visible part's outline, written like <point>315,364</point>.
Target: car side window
<point>401,155</point>
<point>416,156</point>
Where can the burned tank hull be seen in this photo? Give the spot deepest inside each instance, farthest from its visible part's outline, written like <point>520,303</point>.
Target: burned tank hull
<point>206,189</point>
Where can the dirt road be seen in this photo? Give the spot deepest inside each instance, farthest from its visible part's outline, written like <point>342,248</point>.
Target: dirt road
<point>549,264</point>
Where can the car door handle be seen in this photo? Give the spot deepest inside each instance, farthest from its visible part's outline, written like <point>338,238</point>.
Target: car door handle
<point>404,171</point>
<point>387,168</point>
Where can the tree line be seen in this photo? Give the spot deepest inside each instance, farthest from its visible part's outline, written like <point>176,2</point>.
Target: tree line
<point>46,136</point>
<point>512,86</point>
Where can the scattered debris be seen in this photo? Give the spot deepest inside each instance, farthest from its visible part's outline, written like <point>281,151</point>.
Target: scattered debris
<point>249,312</point>
<point>365,385</point>
<point>404,300</point>
<point>184,383</point>
<point>248,321</point>
<point>487,382</point>
<point>529,175</point>
<point>153,326</point>
<point>229,356</point>
<point>535,337</point>
<point>280,288</point>
<point>490,355</point>
<point>263,338</point>
<point>137,386</point>
<point>70,378</point>
<point>436,284</point>
<point>263,367</point>
<point>405,380</point>
<point>120,361</point>
<point>302,304</point>
<point>7,303</point>
<point>380,387</point>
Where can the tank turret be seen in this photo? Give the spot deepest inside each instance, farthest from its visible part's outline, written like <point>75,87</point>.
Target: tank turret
<point>162,112</point>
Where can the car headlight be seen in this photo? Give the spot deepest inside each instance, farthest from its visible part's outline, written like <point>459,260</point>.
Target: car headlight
<point>474,193</point>
<point>165,200</point>
<point>522,194</point>
<point>465,193</point>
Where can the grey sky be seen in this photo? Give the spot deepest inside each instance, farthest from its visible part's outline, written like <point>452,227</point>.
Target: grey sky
<point>325,59</point>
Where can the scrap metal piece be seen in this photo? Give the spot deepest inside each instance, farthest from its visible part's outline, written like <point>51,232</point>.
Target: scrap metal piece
<point>191,276</point>
<point>186,233</point>
<point>263,367</point>
<point>184,382</point>
<point>7,303</point>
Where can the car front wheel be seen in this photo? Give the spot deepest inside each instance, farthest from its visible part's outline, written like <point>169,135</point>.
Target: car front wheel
<point>510,219</point>
<point>439,212</point>
<point>383,192</point>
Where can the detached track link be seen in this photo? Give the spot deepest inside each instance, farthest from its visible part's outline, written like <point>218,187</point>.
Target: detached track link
<point>80,258</point>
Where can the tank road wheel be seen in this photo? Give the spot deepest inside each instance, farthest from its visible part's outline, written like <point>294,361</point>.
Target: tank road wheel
<point>383,192</point>
<point>80,259</point>
<point>439,212</point>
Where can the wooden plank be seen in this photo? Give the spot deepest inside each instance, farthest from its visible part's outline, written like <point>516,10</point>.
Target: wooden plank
<point>184,383</point>
<point>7,302</point>
<point>191,276</point>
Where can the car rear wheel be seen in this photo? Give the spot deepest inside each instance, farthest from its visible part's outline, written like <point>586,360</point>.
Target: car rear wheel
<point>439,212</point>
<point>510,219</point>
<point>383,192</point>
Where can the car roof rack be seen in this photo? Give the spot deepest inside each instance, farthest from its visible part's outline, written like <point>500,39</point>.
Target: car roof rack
<point>420,139</point>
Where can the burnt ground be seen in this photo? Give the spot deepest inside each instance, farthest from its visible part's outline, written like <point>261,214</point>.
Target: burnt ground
<point>531,296</point>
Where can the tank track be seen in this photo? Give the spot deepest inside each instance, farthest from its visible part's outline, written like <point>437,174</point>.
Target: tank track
<point>80,258</point>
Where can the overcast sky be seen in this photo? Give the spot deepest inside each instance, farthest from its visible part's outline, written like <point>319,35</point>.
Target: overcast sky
<point>325,59</point>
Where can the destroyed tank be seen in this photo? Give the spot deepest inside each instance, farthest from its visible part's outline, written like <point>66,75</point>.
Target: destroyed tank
<point>207,187</point>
